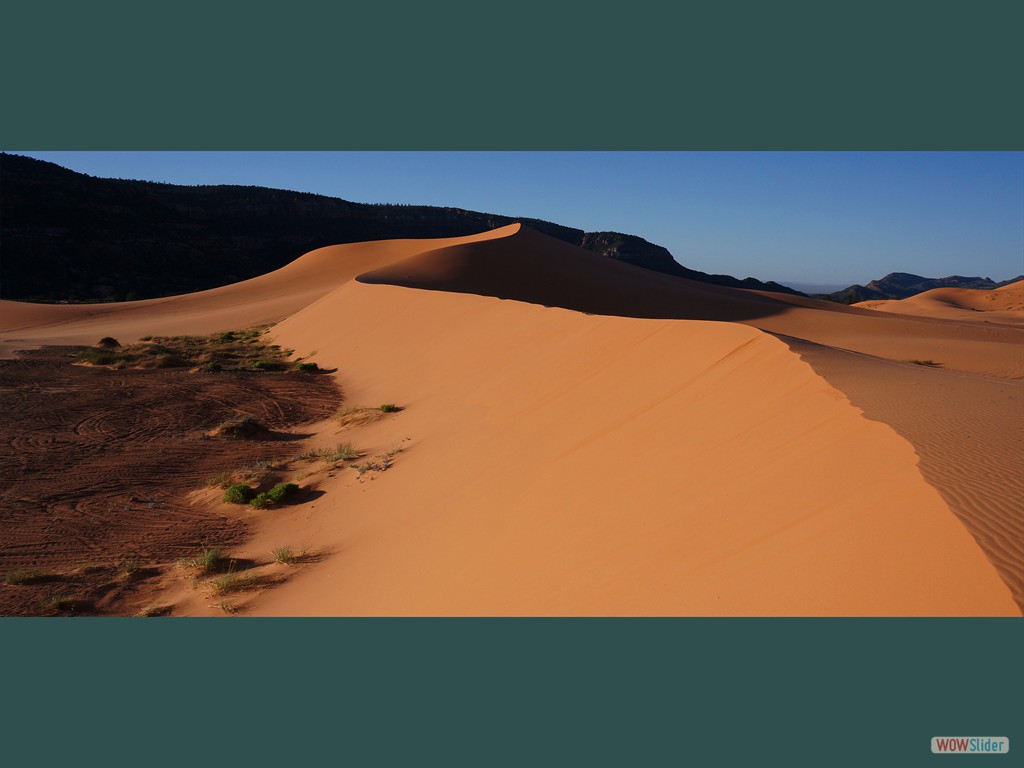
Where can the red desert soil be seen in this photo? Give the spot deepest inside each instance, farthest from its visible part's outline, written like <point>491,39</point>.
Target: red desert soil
<point>97,465</point>
<point>581,436</point>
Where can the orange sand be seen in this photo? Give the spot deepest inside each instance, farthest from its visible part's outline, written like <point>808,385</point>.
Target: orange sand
<point>1003,306</point>
<point>661,455</point>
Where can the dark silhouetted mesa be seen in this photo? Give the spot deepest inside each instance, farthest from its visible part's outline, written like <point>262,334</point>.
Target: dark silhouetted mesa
<point>67,236</point>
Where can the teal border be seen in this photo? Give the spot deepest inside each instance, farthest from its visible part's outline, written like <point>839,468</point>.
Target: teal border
<point>788,75</point>
<point>804,75</point>
<point>835,692</point>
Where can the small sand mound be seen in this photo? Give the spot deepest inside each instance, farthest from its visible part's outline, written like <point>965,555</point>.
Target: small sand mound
<point>242,428</point>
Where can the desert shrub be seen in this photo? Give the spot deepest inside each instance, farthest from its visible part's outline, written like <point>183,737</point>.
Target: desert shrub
<point>261,501</point>
<point>282,492</point>
<point>239,493</point>
<point>388,408</point>
<point>233,581</point>
<point>211,559</point>
<point>283,555</point>
<point>341,452</point>
<point>109,342</point>
<point>210,367</point>
<point>307,367</point>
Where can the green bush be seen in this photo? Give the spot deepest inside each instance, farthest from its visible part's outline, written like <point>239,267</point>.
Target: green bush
<point>388,408</point>
<point>239,493</point>
<point>261,501</point>
<point>282,491</point>
<point>307,367</point>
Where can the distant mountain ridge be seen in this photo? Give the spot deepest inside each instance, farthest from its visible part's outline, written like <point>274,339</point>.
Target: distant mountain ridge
<point>902,285</point>
<point>68,236</point>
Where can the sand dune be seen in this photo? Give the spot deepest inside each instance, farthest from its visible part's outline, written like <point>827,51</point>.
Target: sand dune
<point>642,444</point>
<point>564,464</point>
<point>1003,306</point>
<point>264,299</point>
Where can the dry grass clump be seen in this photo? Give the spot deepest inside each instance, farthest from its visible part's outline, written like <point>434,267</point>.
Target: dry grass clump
<point>156,610</point>
<point>209,560</point>
<point>340,452</point>
<point>242,428</point>
<point>242,350</point>
<point>350,417</point>
<point>65,604</point>
<point>233,581</point>
<point>31,576</point>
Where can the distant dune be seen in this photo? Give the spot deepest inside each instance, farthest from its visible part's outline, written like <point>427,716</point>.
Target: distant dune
<point>581,436</point>
<point>1003,306</point>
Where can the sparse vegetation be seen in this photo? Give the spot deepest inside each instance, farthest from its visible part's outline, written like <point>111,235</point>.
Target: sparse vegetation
<point>33,576</point>
<point>233,581</point>
<point>380,463</point>
<point>210,560</point>
<point>284,555</point>
<point>130,568</point>
<point>227,351</point>
<point>65,604</point>
<point>929,363</point>
<point>221,480</point>
<point>388,408</point>
<point>307,367</point>
<point>340,452</point>
<point>239,493</point>
<point>267,365</point>
<point>261,501</point>
<point>156,610</point>
<point>228,607</point>
<point>282,492</point>
<point>357,417</point>
<point>242,428</point>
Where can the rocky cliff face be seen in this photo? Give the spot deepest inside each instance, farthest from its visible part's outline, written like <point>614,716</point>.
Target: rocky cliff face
<point>67,236</point>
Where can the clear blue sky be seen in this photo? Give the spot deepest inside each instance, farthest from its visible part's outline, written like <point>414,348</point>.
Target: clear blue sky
<point>815,217</point>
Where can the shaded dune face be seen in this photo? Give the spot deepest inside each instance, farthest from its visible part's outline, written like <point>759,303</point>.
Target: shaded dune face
<point>531,267</point>
<point>527,266</point>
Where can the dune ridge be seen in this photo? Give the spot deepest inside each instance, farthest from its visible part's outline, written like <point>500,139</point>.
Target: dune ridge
<point>1003,305</point>
<point>564,464</point>
<point>587,437</point>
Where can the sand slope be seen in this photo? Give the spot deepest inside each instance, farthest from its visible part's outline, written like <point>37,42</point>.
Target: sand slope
<point>1003,306</point>
<point>264,299</point>
<point>565,464</point>
<point>640,445</point>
